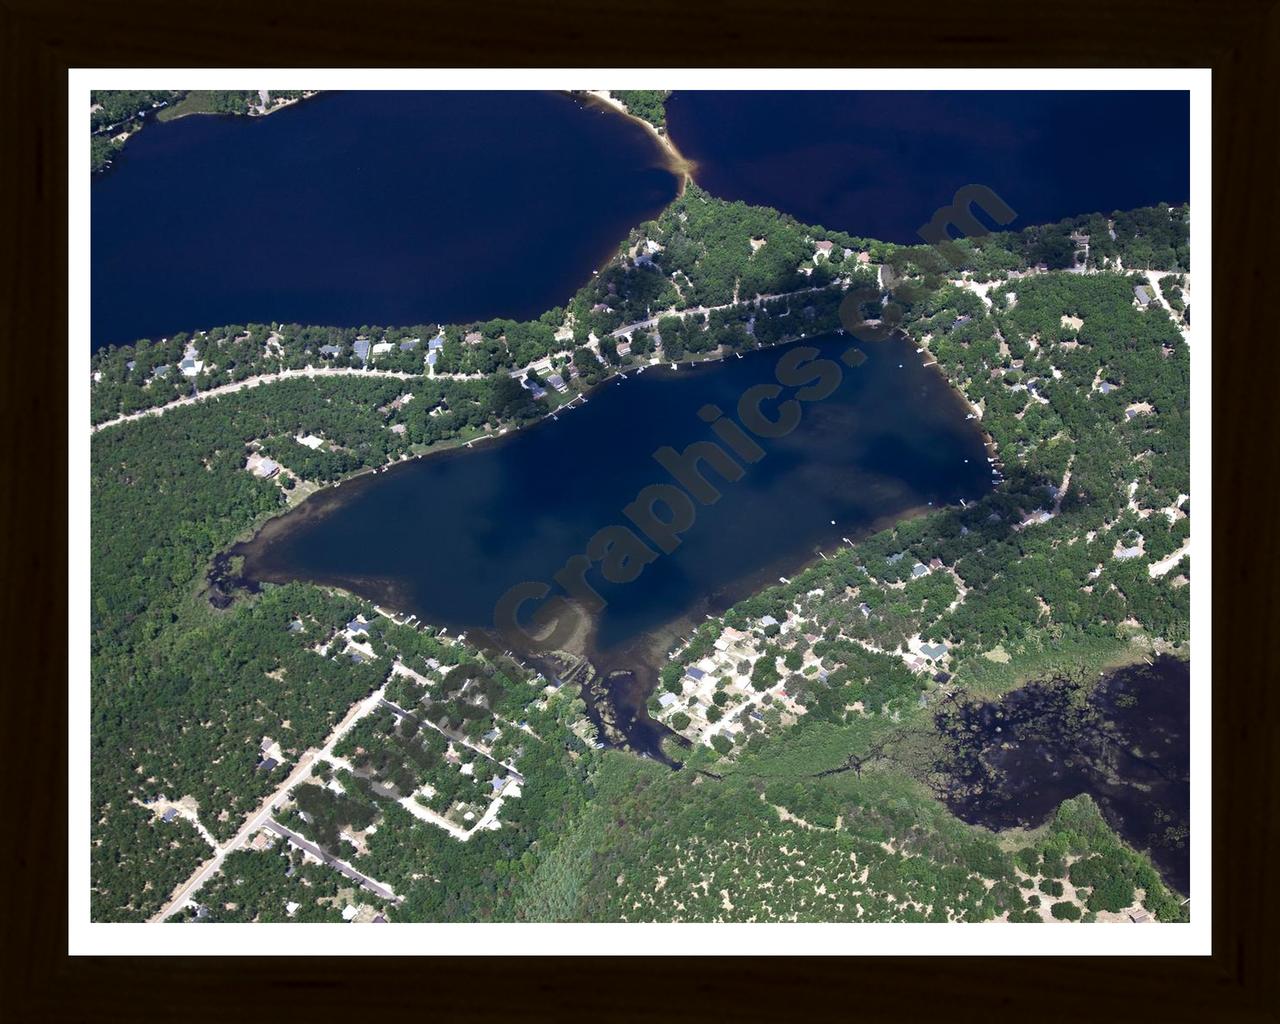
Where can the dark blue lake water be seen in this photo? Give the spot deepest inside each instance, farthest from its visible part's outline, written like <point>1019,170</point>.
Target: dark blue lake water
<point>366,208</point>
<point>879,164</point>
<point>446,536</point>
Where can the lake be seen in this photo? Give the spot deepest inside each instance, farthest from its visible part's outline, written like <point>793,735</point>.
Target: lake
<point>366,208</point>
<point>1012,762</point>
<point>880,164</point>
<point>445,536</point>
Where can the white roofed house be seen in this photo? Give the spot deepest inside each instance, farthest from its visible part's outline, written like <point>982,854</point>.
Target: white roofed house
<point>382,347</point>
<point>190,365</point>
<point>261,466</point>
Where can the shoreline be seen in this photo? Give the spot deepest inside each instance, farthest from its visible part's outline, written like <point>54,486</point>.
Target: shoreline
<point>677,163</point>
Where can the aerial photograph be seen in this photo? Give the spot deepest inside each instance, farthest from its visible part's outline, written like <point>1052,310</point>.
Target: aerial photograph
<point>638,506</point>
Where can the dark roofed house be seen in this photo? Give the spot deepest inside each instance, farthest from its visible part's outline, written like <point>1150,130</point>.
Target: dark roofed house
<point>1142,295</point>
<point>329,350</point>
<point>960,321</point>
<point>356,626</point>
<point>409,344</point>
<point>169,815</point>
<point>693,672</point>
<point>361,346</point>
<point>268,764</point>
<point>436,342</point>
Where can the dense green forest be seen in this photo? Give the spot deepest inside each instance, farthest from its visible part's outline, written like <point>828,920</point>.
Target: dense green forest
<point>184,694</point>
<point>649,104</point>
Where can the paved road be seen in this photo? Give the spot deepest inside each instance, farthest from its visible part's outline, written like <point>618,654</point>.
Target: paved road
<point>375,887</point>
<point>253,382</point>
<point>259,818</point>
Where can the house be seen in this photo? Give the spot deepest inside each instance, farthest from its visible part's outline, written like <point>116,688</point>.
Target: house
<point>491,736</point>
<point>473,338</point>
<point>668,700</point>
<point>160,372</point>
<point>296,626</point>
<point>557,382</point>
<point>190,367</point>
<point>1139,916</point>
<point>865,609</point>
<point>262,467</point>
<point>941,677</point>
<point>1106,387</point>
<point>349,912</point>
<point>823,248</point>
<point>169,815</point>
<point>1142,295</point>
<point>381,347</point>
<point>437,342</point>
<point>409,344</point>
<point>624,348</point>
<point>361,347</point>
<point>695,673</point>
<point>918,570</point>
<point>358,626</point>
<point>496,784</point>
<point>768,621</point>
<point>432,356</point>
<point>329,351</point>
<point>960,321</point>
<point>895,559</point>
<point>291,908</point>
<point>936,563</point>
<point>267,764</point>
<point>934,651</point>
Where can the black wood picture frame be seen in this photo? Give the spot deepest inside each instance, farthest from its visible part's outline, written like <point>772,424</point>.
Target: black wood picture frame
<point>1239,39</point>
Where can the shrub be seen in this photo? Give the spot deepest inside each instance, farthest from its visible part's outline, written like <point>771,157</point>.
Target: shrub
<point>1065,911</point>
